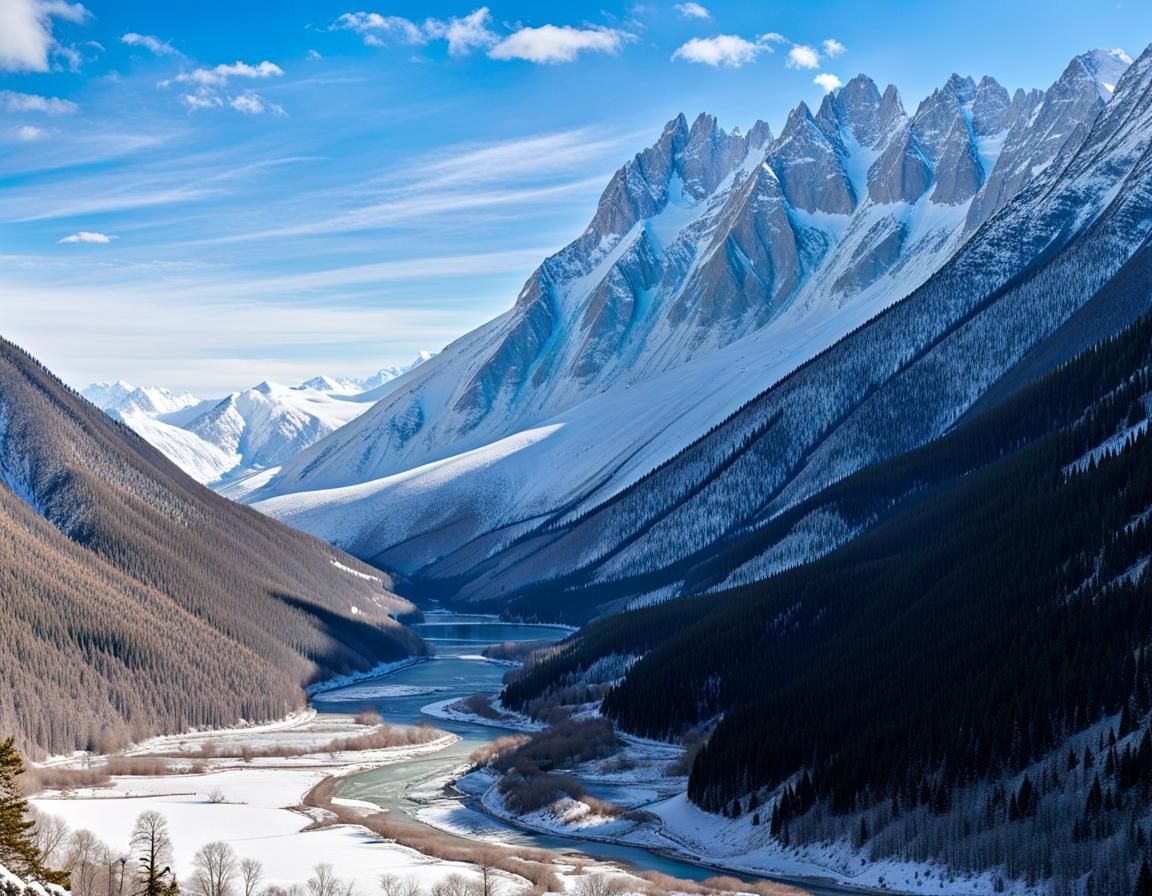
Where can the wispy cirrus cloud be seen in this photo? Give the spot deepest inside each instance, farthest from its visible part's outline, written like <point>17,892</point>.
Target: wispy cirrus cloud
<point>27,41</point>
<point>693,11</point>
<point>11,101</point>
<point>152,44</point>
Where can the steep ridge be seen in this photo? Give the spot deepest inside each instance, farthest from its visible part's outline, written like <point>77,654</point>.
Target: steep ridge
<point>891,386</point>
<point>702,239</point>
<point>138,602</point>
<point>491,497</point>
<point>936,690</point>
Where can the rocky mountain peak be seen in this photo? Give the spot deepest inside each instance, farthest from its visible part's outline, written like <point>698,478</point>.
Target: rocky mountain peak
<point>708,156</point>
<point>810,167</point>
<point>990,108</point>
<point>759,136</point>
<point>1106,67</point>
<point>1047,127</point>
<point>858,106</point>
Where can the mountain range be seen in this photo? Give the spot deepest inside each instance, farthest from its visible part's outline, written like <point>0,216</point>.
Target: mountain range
<point>737,308</point>
<point>225,441</point>
<point>834,441</point>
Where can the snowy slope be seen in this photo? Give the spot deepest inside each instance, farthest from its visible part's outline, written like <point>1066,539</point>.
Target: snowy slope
<point>717,264</point>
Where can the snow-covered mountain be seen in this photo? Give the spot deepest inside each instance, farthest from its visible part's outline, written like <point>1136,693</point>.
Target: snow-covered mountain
<point>124,398</point>
<point>716,265</point>
<point>224,440</point>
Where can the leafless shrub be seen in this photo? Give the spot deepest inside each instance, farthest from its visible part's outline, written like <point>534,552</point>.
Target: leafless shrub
<point>481,705</point>
<point>36,779</point>
<point>525,792</point>
<point>599,885</point>
<point>563,745</point>
<point>502,746</point>
<point>602,807</point>
<point>369,715</point>
<point>383,737</point>
<point>534,865</point>
<point>137,766</point>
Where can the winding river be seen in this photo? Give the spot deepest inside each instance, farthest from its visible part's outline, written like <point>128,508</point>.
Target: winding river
<point>415,787</point>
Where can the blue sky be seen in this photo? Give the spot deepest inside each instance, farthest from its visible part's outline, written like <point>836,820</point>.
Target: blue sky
<point>206,195</point>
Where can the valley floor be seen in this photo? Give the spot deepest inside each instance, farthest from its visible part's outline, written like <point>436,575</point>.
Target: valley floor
<point>254,804</point>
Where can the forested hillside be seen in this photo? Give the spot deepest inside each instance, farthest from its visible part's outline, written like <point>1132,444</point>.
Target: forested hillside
<point>935,688</point>
<point>136,601</point>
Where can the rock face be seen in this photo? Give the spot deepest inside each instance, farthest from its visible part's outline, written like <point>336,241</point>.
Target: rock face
<point>710,253</point>
<point>1048,126</point>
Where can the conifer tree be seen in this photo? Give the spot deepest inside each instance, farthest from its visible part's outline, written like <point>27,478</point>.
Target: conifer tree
<point>1143,879</point>
<point>17,851</point>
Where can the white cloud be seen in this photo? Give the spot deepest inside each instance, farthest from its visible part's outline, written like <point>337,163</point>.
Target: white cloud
<point>803,56</point>
<point>313,55</point>
<point>210,87</point>
<point>545,44</point>
<point>253,104</point>
<point>833,48</point>
<point>550,43</point>
<point>11,101</point>
<point>153,45</point>
<point>87,236</point>
<point>728,50</point>
<point>463,34</point>
<point>220,75</point>
<point>773,37</point>
<point>693,11</point>
<point>26,39</point>
<point>29,132</point>
<point>828,81</point>
<point>375,28</point>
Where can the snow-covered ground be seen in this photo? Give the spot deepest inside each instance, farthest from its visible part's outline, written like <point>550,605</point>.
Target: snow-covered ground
<point>254,805</point>
<point>660,817</point>
<point>454,710</point>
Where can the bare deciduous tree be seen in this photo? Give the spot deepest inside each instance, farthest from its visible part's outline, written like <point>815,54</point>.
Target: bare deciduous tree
<point>214,870</point>
<point>251,873</point>
<point>324,882</point>
<point>457,885</point>
<point>153,847</point>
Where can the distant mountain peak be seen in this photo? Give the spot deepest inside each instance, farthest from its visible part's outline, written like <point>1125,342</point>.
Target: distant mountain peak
<point>1107,67</point>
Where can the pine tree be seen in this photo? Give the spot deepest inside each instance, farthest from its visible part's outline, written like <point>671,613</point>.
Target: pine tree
<point>17,851</point>
<point>1143,880</point>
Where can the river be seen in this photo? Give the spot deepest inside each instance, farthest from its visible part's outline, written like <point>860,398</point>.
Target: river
<point>457,671</point>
